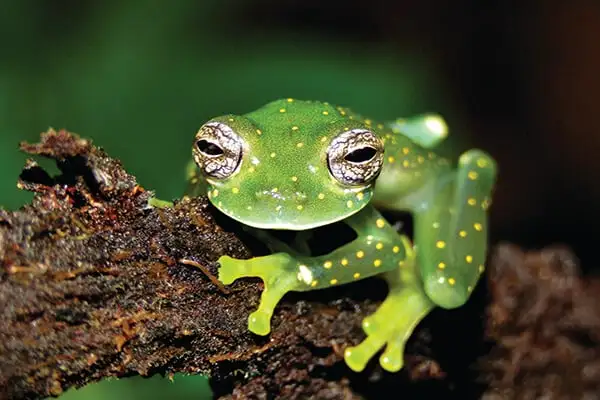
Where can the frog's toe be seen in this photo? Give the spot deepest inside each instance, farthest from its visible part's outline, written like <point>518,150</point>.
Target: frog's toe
<point>392,359</point>
<point>259,322</point>
<point>370,325</point>
<point>230,270</point>
<point>357,357</point>
<point>267,268</point>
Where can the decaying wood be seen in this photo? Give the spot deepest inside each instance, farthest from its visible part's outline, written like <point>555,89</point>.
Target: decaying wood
<point>94,283</point>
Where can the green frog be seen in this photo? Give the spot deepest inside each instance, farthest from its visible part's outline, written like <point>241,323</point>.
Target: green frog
<point>299,165</point>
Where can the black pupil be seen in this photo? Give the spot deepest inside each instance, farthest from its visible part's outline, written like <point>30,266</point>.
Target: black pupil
<point>209,148</point>
<point>361,155</point>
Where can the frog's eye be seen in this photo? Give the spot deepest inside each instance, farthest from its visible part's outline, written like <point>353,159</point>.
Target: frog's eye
<point>355,157</point>
<point>217,150</point>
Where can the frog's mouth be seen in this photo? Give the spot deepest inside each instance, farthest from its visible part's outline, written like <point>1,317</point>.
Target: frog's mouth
<point>285,223</point>
<point>279,210</point>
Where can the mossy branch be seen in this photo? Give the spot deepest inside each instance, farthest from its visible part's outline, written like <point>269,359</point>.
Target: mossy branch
<point>95,283</point>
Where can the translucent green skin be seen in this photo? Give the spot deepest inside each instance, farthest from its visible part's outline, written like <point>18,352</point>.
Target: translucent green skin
<point>284,182</point>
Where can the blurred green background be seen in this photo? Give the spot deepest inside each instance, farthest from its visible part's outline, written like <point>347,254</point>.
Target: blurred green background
<point>140,77</point>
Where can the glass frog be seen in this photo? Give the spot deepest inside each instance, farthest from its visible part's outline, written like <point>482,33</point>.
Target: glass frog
<point>298,165</point>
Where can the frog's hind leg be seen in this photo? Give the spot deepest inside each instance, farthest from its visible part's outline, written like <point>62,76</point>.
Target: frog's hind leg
<point>451,232</point>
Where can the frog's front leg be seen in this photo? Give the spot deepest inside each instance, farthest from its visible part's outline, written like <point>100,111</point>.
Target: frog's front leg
<point>395,319</point>
<point>451,231</point>
<point>377,249</point>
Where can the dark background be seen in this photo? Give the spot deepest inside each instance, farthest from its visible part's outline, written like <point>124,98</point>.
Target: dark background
<point>518,79</point>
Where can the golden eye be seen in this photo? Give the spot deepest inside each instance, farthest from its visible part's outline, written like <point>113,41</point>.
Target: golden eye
<point>355,157</point>
<point>217,150</point>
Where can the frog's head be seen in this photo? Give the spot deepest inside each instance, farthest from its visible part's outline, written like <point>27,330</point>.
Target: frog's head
<point>289,165</point>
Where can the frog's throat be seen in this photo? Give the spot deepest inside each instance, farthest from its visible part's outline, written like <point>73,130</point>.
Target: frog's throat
<point>290,225</point>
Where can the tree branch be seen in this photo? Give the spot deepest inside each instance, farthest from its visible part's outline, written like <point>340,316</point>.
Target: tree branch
<point>94,283</point>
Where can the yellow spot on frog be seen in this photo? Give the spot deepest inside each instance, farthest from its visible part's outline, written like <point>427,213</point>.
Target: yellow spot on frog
<point>251,169</point>
<point>469,289</point>
<point>360,196</point>
<point>272,155</point>
<point>405,150</point>
<point>325,112</point>
<point>377,263</point>
<point>249,208</point>
<point>482,163</point>
<point>360,254</point>
<point>282,110</point>
<point>440,244</point>
<point>442,265</point>
<point>327,264</point>
<point>294,178</point>
<point>380,222</point>
<point>235,190</point>
<point>481,268</point>
<point>274,190</point>
<point>420,159</point>
<point>349,204</point>
<point>478,226</point>
<point>290,100</point>
<point>405,164</point>
<point>368,121</point>
<point>436,225</point>
<point>356,275</point>
<point>323,139</point>
<point>258,132</point>
<point>462,233</point>
<point>391,159</point>
<point>294,128</point>
<point>333,281</point>
<point>344,262</point>
<point>451,281</point>
<point>396,249</point>
<point>379,246</point>
<point>469,259</point>
<point>314,283</point>
<point>215,193</point>
<point>299,207</point>
<point>321,196</point>
<point>231,120</point>
<point>471,201</point>
<point>299,144</point>
<point>472,175</point>
<point>380,126</point>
